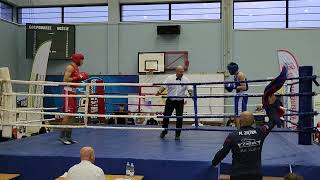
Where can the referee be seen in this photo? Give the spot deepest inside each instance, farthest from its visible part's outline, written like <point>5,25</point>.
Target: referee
<point>175,103</point>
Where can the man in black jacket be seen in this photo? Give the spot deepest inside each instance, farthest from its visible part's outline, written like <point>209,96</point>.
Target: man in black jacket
<point>246,143</point>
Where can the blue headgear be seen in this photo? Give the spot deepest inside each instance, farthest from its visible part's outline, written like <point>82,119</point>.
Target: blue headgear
<point>233,68</point>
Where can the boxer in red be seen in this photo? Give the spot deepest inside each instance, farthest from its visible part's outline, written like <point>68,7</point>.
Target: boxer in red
<point>71,74</point>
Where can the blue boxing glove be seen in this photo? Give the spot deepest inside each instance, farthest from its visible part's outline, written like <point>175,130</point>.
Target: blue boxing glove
<point>230,87</point>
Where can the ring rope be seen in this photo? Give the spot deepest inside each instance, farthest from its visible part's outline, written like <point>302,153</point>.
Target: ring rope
<point>139,116</point>
<point>132,104</point>
<point>37,120</point>
<point>26,108</point>
<point>121,96</point>
<point>49,83</point>
<point>147,128</point>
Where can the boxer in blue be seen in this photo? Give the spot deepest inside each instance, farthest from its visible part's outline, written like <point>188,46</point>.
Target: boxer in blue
<point>240,87</point>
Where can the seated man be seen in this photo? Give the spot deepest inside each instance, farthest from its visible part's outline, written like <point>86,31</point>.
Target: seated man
<point>86,170</point>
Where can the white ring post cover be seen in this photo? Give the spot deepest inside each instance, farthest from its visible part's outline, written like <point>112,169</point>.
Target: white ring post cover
<point>7,102</point>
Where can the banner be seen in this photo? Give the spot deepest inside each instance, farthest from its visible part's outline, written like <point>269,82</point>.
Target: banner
<point>111,104</point>
<point>316,106</point>
<point>285,57</point>
<point>38,73</point>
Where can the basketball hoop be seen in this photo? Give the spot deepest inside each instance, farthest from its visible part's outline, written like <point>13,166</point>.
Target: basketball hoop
<point>150,71</point>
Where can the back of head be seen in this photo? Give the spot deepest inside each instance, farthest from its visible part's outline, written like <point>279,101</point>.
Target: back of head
<point>293,176</point>
<point>233,68</point>
<point>246,119</point>
<point>87,153</point>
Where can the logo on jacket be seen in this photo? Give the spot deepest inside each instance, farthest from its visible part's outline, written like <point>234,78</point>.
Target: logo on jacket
<point>248,143</point>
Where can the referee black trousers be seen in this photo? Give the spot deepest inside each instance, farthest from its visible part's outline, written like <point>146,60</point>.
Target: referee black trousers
<point>169,107</point>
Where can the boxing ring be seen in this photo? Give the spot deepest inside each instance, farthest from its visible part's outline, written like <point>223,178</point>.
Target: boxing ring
<point>44,157</point>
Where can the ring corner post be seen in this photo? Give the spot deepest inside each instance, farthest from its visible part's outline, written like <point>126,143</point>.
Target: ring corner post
<point>305,105</point>
<point>195,104</point>
<point>8,103</point>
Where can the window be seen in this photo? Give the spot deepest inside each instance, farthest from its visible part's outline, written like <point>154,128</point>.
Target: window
<point>6,11</point>
<point>262,14</point>
<point>189,11</point>
<point>86,14</point>
<point>147,12</point>
<point>304,13</point>
<point>40,15</point>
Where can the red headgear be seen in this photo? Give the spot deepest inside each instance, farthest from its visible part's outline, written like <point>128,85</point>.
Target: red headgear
<point>77,57</point>
<point>318,125</point>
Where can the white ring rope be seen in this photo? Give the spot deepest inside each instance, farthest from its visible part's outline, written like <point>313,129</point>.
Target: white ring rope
<point>41,108</point>
<point>105,96</point>
<point>77,114</point>
<point>37,120</point>
<point>83,126</point>
<point>210,106</point>
<point>87,95</point>
<point>98,115</point>
<point>51,83</point>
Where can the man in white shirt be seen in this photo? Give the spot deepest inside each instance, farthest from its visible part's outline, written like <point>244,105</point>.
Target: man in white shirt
<point>86,170</point>
<point>175,103</point>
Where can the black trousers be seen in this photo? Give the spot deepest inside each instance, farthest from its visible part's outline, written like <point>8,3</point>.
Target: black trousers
<point>247,177</point>
<point>169,107</point>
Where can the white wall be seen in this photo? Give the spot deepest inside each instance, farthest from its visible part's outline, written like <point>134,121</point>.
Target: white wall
<point>8,46</point>
<point>201,39</point>
<point>258,48</point>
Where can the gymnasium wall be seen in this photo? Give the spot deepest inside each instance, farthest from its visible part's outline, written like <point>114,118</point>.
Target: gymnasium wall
<point>258,48</point>
<point>8,47</point>
<point>201,39</point>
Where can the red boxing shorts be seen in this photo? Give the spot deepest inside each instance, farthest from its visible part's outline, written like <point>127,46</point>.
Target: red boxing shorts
<point>69,103</point>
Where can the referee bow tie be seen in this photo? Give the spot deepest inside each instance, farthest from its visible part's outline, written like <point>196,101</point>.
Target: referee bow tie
<point>178,79</point>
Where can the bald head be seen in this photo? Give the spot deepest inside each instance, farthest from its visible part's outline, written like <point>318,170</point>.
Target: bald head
<point>87,153</point>
<point>246,119</point>
<point>179,71</point>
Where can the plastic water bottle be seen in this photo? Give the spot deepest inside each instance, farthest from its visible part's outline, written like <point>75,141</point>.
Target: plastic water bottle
<point>128,169</point>
<point>131,171</point>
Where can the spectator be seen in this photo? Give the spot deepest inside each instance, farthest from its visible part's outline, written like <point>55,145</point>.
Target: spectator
<point>44,130</point>
<point>152,121</point>
<point>86,169</point>
<point>231,122</point>
<point>121,111</point>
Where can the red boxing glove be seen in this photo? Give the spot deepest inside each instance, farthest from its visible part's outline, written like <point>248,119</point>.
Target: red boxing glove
<point>281,111</point>
<point>80,77</point>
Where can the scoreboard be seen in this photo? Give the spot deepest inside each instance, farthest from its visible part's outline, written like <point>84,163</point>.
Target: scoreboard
<point>62,36</point>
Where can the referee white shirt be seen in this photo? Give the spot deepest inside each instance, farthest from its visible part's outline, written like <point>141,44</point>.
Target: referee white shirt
<point>177,90</point>
<point>85,170</point>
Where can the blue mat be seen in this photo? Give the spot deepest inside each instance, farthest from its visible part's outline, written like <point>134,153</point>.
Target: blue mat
<point>43,157</point>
